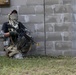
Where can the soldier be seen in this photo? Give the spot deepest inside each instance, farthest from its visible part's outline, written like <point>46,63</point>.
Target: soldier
<point>10,35</point>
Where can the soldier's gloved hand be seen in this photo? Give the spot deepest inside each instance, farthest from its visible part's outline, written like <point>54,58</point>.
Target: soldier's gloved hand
<point>13,33</point>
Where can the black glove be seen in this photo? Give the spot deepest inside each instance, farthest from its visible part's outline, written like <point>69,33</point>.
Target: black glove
<point>13,33</point>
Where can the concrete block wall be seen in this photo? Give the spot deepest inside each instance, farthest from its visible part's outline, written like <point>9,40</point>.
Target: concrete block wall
<point>58,24</point>
<point>51,22</point>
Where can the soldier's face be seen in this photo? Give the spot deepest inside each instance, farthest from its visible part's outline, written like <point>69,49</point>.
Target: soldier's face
<point>14,16</point>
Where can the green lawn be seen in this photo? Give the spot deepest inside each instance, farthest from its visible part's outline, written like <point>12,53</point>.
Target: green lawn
<point>38,66</point>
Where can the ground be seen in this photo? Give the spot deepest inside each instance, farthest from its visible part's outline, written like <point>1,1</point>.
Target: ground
<point>40,65</point>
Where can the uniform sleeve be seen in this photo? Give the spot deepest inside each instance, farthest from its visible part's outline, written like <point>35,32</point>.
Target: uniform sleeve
<point>4,28</point>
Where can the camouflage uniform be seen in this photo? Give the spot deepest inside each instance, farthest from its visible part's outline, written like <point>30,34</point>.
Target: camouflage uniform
<point>11,42</point>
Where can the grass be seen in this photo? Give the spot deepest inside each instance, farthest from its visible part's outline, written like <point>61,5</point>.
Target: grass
<point>41,65</point>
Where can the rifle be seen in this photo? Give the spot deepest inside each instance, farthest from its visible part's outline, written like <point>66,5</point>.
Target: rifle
<point>23,32</point>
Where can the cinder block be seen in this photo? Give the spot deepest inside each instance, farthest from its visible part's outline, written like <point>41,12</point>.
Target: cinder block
<point>39,27</point>
<point>53,36</point>
<point>60,18</point>
<point>39,9</point>
<point>48,9</point>
<point>3,19</point>
<point>36,52</point>
<point>30,27</point>
<point>74,18</point>
<point>63,45</point>
<point>49,45</point>
<point>34,18</point>
<point>38,36</point>
<point>73,36</point>
<point>34,2</point>
<point>0,27</point>
<point>34,9</point>
<point>63,9</point>
<point>40,52</point>
<point>51,2</point>
<point>26,10</point>
<point>53,52</point>
<point>68,18</point>
<point>62,27</point>
<point>49,27</point>
<point>37,18</point>
<point>73,1</point>
<point>21,18</point>
<point>18,2</point>
<point>6,11</point>
<point>67,1</point>
<point>71,53</point>
<point>73,27</point>
<point>73,8</point>
<point>74,44</point>
<point>54,18</point>
<point>51,19</point>
<point>1,46</point>
<point>67,36</point>
<point>36,27</point>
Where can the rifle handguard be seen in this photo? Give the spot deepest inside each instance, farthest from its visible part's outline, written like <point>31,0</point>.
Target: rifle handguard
<point>13,33</point>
